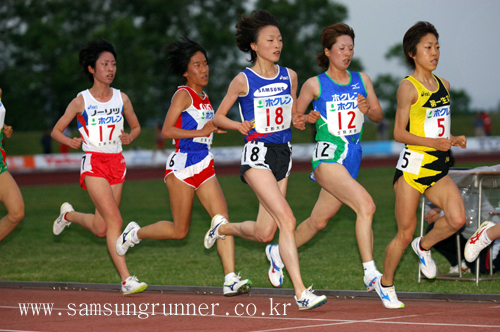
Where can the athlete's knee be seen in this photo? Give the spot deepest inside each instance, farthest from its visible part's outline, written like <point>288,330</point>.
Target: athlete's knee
<point>287,224</point>
<point>367,208</point>
<point>317,223</point>
<point>404,238</point>
<point>180,233</point>
<point>16,215</point>
<point>457,221</point>
<point>264,236</point>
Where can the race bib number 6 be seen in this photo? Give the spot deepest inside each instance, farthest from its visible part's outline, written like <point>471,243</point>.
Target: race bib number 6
<point>273,113</point>
<point>344,117</point>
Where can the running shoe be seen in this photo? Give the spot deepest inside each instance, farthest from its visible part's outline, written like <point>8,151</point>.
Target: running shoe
<point>427,265</point>
<point>60,223</point>
<point>236,286</point>
<point>308,300</point>
<point>131,285</point>
<point>275,272</point>
<point>213,233</point>
<point>454,269</point>
<point>388,296</point>
<point>125,241</point>
<point>370,280</point>
<point>477,242</point>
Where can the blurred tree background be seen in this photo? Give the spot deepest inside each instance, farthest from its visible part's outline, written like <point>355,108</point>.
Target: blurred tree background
<point>40,74</point>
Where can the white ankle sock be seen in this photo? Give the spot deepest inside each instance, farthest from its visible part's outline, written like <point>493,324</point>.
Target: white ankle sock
<point>229,276</point>
<point>369,267</point>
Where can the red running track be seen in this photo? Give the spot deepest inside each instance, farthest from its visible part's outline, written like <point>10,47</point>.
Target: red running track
<point>72,311</point>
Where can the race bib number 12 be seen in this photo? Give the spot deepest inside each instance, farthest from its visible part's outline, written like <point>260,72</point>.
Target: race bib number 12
<point>344,118</point>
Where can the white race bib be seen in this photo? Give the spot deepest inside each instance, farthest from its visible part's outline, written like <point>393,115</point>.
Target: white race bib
<point>254,153</point>
<point>176,161</point>
<point>410,161</point>
<point>344,117</point>
<point>437,122</point>
<point>324,150</point>
<point>204,117</point>
<point>105,131</point>
<point>273,113</point>
<point>2,115</point>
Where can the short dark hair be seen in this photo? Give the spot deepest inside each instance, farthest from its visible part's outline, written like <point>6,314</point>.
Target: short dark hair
<point>179,54</point>
<point>248,28</point>
<point>412,38</point>
<point>91,52</point>
<point>328,38</point>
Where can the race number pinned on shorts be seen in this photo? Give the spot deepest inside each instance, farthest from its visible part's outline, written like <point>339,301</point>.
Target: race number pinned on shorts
<point>176,161</point>
<point>324,150</point>
<point>86,164</point>
<point>254,154</point>
<point>344,117</point>
<point>437,122</point>
<point>410,161</point>
<point>272,113</point>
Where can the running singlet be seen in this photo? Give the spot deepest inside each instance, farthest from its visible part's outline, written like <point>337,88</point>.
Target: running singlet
<point>268,106</point>
<point>3,155</point>
<point>341,122</point>
<point>101,124</point>
<point>194,118</point>
<point>430,114</point>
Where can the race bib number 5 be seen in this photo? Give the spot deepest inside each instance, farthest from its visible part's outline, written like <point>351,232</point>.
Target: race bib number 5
<point>410,161</point>
<point>437,122</point>
<point>273,113</point>
<point>344,117</point>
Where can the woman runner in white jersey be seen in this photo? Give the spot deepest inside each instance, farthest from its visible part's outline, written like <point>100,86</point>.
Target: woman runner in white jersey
<point>190,168</point>
<point>10,195</point>
<point>266,93</point>
<point>100,113</point>
<point>341,99</point>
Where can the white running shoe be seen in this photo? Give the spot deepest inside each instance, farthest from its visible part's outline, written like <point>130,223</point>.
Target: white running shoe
<point>454,269</point>
<point>213,233</point>
<point>125,241</point>
<point>60,223</point>
<point>236,286</point>
<point>275,272</point>
<point>308,300</point>
<point>370,280</point>
<point>427,265</point>
<point>477,242</point>
<point>388,296</point>
<point>131,285</point>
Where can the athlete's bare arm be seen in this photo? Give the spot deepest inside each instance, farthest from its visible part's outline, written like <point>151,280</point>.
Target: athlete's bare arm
<point>237,87</point>
<point>74,108</point>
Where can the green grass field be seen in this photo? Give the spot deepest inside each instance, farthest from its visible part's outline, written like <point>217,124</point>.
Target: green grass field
<point>330,261</point>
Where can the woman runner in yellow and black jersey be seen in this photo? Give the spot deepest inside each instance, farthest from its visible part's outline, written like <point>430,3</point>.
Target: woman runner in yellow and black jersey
<point>423,124</point>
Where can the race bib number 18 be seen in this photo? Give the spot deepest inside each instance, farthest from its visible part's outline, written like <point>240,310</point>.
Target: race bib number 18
<point>273,113</point>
